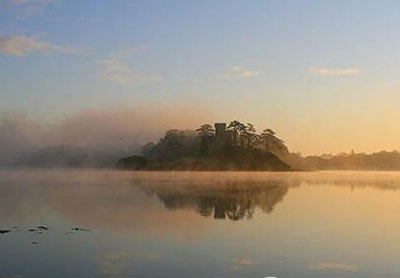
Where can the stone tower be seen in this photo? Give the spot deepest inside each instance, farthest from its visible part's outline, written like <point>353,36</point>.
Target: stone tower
<point>220,130</point>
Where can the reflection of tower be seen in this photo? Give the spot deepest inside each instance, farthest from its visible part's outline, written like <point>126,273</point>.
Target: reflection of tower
<point>219,211</point>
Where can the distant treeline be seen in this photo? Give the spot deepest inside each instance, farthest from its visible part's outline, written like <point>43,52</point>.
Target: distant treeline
<point>67,156</point>
<point>356,161</point>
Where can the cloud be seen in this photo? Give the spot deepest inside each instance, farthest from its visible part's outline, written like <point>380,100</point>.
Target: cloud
<point>238,71</point>
<point>334,266</point>
<point>117,70</point>
<point>118,264</point>
<point>333,72</point>
<point>114,263</point>
<point>16,45</point>
<point>24,8</point>
<point>241,262</point>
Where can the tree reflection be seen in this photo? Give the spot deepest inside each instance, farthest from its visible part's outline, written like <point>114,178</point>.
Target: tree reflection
<point>229,200</point>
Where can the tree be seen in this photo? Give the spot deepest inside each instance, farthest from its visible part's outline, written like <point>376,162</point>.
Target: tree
<point>173,138</point>
<point>271,143</point>
<point>205,132</point>
<point>249,133</point>
<point>237,129</point>
<point>266,137</point>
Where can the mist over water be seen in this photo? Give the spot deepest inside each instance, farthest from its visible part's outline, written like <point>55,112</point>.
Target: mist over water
<point>106,132</point>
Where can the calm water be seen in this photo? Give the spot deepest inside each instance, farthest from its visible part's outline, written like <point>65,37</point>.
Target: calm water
<point>123,224</point>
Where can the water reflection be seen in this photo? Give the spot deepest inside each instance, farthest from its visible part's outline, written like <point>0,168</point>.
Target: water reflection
<point>123,224</point>
<point>228,200</point>
<point>123,199</point>
<point>131,201</point>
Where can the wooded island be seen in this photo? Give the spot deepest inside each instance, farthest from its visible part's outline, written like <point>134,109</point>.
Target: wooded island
<point>236,146</point>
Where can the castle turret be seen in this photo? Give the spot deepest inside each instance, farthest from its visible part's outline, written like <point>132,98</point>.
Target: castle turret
<point>220,129</point>
<point>223,137</point>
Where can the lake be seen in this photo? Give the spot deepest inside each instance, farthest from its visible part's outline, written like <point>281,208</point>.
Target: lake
<point>82,223</point>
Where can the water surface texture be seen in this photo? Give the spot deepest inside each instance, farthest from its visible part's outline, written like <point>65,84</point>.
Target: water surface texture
<point>67,223</point>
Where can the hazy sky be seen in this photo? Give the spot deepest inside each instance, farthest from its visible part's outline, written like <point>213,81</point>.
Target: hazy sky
<point>323,74</point>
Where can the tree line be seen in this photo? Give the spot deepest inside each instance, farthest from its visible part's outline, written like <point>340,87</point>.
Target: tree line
<point>246,136</point>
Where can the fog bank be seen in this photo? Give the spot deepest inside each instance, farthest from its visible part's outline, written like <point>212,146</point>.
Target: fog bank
<point>108,131</point>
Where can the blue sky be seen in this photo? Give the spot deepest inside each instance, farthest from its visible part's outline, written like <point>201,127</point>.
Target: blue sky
<point>302,67</point>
